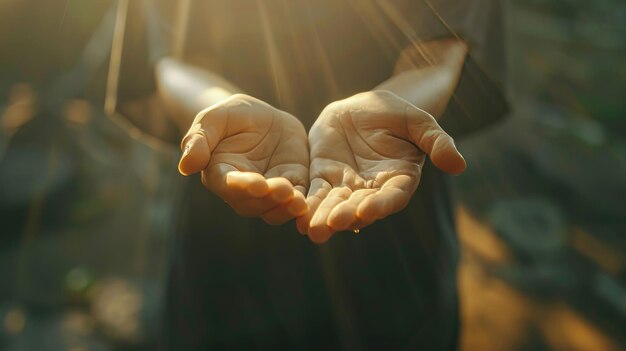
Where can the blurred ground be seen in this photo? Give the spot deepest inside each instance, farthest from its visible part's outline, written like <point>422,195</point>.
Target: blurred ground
<point>498,315</point>
<point>543,221</point>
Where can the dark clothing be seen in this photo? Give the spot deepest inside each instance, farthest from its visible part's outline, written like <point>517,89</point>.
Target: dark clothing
<point>300,55</point>
<point>237,283</point>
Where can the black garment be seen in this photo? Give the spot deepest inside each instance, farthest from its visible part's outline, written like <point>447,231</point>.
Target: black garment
<point>237,283</point>
<point>300,55</point>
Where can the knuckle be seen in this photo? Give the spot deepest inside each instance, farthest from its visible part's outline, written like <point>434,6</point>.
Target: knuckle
<point>204,115</point>
<point>207,116</point>
<point>420,117</point>
<point>424,126</point>
<point>430,136</point>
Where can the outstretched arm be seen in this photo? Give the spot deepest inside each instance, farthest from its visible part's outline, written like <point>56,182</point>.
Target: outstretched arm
<point>426,74</point>
<point>186,90</point>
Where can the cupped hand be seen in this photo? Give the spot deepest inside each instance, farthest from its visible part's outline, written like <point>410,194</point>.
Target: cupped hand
<point>252,155</point>
<point>367,154</point>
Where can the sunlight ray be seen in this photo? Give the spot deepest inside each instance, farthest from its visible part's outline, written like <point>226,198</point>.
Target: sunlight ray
<point>407,30</point>
<point>442,20</point>
<point>328,73</point>
<point>62,22</point>
<point>370,14</point>
<point>279,76</point>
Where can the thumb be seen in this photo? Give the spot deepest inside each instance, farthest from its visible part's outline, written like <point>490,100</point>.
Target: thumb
<point>426,133</point>
<point>196,154</point>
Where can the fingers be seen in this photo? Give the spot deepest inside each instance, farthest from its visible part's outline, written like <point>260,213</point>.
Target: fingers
<point>319,230</point>
<point>382,204</point>
<point>426,133</point>
<point>286,211</point>
<point>249,194</point>
<point>298,207</point>
<point>344,215</point>
<point>341,208</point>
<point>242,133</point>
<point>201,139</point>
<point>196,155</point>
<point>394,195</point>
<point>210,126</point>
<point>317,193</point>
<point>244,184</point>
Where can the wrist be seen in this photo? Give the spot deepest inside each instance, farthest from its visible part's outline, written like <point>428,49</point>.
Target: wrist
<point>427,74</point>
<point>186,90</point>
<point>447,52</point>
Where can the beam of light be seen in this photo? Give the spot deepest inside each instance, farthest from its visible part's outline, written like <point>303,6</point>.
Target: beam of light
<point>442,20</point>
<point>183,12</point>
<point>65,7</point>
<point>115,63</point>
<point>378,27</point>
<point>423,52</point>
<point>328,73</point>
<point>279,76</point>
<point>407,30</point>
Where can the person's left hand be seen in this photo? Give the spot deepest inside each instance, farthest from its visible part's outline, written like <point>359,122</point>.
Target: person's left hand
<point>367,154</point>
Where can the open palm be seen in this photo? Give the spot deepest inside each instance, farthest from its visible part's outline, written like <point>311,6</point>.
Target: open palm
<point>252,155</point>
<point>367,153</point>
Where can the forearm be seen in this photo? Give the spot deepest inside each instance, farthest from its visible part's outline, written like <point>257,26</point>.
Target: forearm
<point>427,74</point>
<point>186,90</point>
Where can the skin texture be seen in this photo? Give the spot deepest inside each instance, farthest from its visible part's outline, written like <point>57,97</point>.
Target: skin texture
<point>387,137</point>
<point>252,155</point>
<point>367,154</point>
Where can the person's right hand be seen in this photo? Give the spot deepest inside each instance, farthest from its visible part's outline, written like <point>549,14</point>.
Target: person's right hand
<point>252,155</point>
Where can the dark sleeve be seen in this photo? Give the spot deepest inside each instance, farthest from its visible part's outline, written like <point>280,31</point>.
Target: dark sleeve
<point>159,23</point>
<point>479,99</point>
<point>477,22</point>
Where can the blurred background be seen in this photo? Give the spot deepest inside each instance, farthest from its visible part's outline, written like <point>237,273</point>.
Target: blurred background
<point>88,202</point>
